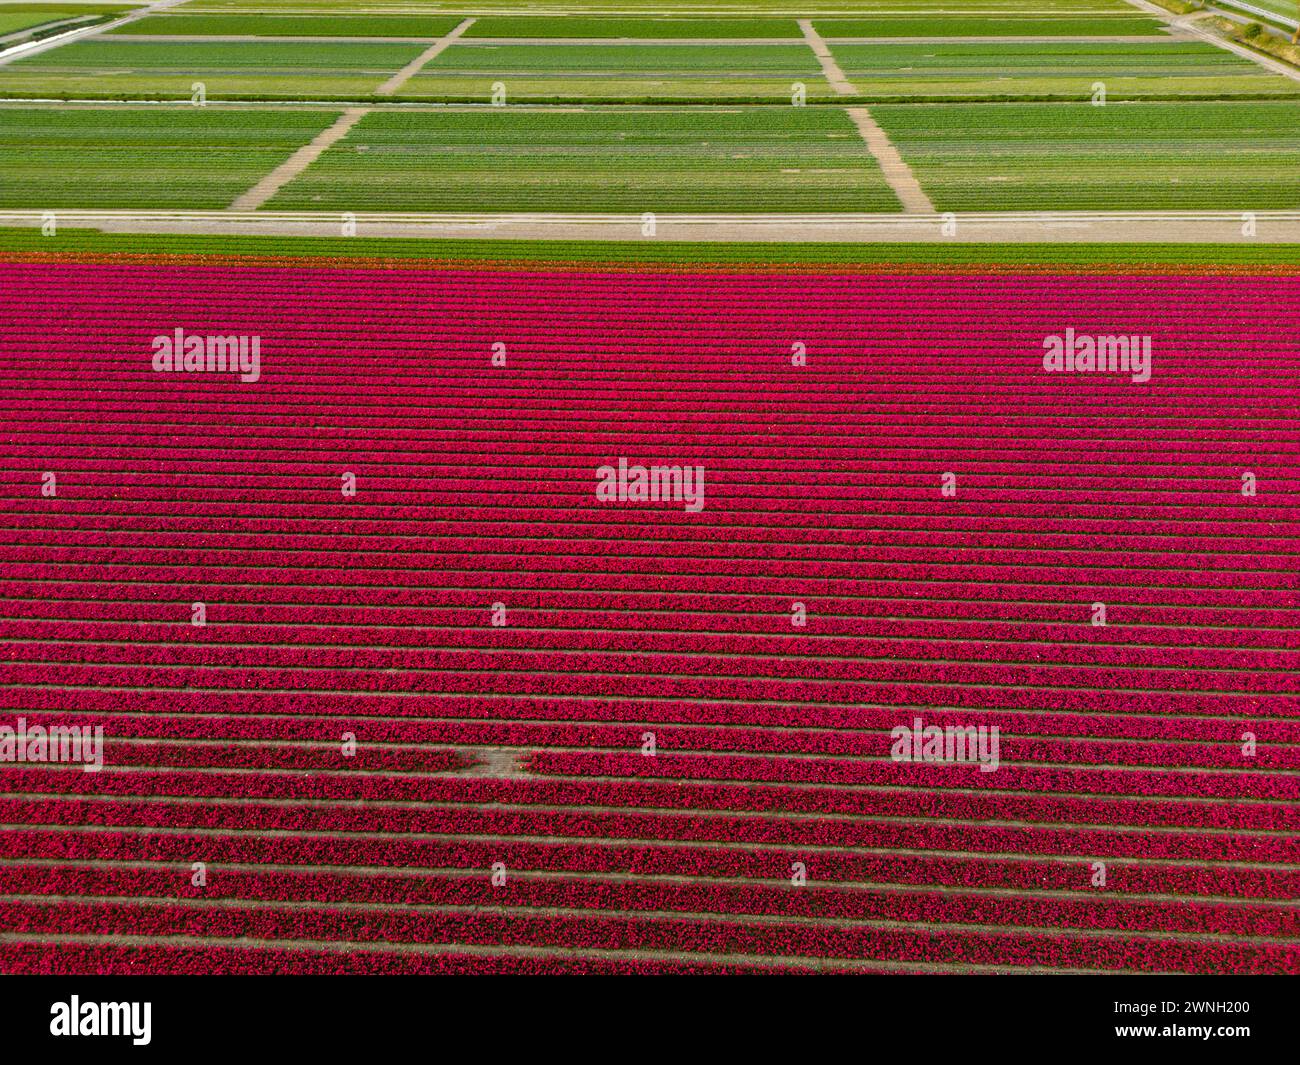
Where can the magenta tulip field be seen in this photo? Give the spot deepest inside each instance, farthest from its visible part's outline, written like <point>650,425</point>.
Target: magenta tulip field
<point>440,619</point>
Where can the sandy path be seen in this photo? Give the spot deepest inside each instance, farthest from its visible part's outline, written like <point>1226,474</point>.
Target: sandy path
<point>830,68</point>
<point>412,68</point>
<point>1059,227</point>
<point>898,175</point>
<point>298,162</point>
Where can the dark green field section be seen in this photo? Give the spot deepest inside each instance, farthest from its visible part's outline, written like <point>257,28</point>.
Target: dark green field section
<point>125,68</point>
<point>1054,69</point>
<point>139,158</point>
<point>74,242</point>
<point>431,26</point>
<point>1232,156</point>
<point>957,25</point>
<point>577,72</point>
<point>513,159</point>
<point>639,28</point>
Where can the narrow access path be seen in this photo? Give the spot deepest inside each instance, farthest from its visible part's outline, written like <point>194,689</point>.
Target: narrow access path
<point>407,72</point>
<point>298,162</point>
<point>897,173</point>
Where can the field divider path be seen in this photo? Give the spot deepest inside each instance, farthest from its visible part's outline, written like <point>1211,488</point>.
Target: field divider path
<point>407,72</point>
<point>830,68</point>
<point>298,161</point>
<point>898,175</point>
<point>309,153</point>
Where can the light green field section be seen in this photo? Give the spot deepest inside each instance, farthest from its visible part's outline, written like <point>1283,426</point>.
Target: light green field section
<point>125,68</point>
<point>1238,156</point>
<point>431,26</point>
<point>515,159</point>
<point>16,17</point>
<point>958,25</point>
<point>103,158</point>
<point>537,72</point>
<point>641,28</point>
<point>1064,70</point>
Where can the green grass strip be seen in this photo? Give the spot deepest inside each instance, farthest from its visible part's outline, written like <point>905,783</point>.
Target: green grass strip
<point>74,242</point>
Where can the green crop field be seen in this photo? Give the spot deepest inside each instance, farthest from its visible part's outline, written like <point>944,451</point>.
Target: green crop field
<point>621,71</point>
<point>1193,155</point>
<point>15,17</point>
<point>663,7</point>
<point>425,26</point>
<point>642,28</point>
<point>124,68</point>
<point>511,159</point>
<point>1060,69</point>
<point>642,105</point>
<point>989,26</point>
<point>101,158</point>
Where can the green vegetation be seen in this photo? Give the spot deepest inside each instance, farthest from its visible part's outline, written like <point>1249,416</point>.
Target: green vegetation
<point>100,158</point>
<point>1054,69</point>
<point>763,72</point>
<point>15,17</point>
<point>1287,11</point>
<point>430,26</point>
<point>989,26</point>
<point>657,7</point>
<point>641,28</point>
<point>1236,156</point>
<point>123,68</point>
<point>515,159</point>
<point>73,242</point>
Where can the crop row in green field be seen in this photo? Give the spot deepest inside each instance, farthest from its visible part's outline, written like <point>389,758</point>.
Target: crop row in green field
<point>657,7</point>
<point>122,68</point>
<point>1235,156</point>
<point>541,28</point>
<point>104,158</point>
<point>1059,69</point>
<point>963,25</point>
<point>80,242</point>
<point>1195,155</point>
<point>578,72</point>
<point>430,26</point>
<point>759,159</point>
<point>548,71</point>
